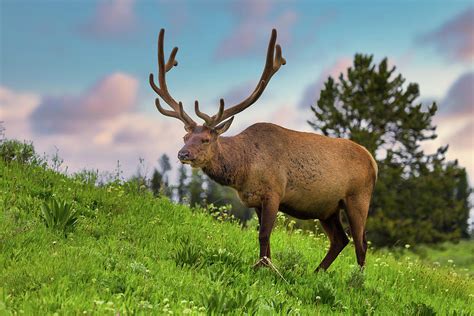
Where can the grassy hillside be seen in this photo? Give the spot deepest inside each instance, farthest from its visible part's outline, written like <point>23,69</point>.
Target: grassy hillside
<point>459,256</point>
<point>130,252</point>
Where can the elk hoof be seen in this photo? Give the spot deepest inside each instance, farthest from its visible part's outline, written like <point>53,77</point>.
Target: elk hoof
<point>262,263</point>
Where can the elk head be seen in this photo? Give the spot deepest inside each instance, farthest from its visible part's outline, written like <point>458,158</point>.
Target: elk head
<point>201,140</point>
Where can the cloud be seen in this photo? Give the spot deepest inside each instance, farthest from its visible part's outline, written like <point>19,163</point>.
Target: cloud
<point>455,123</point>
<point>125,138</point>
<point>15,109</point>
<point>455,38</point>
<point>311,93</point>
<point>460,96</point>
<point>102,135</point>
<point>109,97</point>
<point>238,93</point>
<point>131,129</point>
<point>16,105</point>
<point>464,138</point>
<point>290,117</point>
<point>458,132</point>
<point>251,32</point>
<point>111,18</point>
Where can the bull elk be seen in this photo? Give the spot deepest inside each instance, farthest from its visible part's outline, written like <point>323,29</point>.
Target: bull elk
<point>305,175</point>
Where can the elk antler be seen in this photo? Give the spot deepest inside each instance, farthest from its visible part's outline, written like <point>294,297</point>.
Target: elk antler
<point>273,62</point>
<point>162,90</point>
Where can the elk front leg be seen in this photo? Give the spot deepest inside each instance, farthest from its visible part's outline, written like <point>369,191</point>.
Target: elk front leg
<point>268,214</point>
<point>259,215</point>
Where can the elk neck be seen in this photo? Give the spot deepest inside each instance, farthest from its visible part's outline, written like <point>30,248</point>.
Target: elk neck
<point>227,166</point>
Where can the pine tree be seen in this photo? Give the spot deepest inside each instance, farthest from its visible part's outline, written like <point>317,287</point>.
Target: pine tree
<point>182,187</point>
<point>196,188</point>
<point>156,182</point>
<point>165,167</point>
<point>419,197</point>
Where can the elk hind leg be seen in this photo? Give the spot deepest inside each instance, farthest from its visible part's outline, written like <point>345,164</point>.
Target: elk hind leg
<point>259,215</point>
<point>357,208</point>
<point>268,215</point>
<point>337,237</point>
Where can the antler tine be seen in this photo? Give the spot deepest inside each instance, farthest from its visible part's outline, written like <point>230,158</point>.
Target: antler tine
<point>279,60</point>
<point>210,121</point>
<point>178,114</point>
<point>162,90</point>
<point>161,60</point>
<point>202,115</point>
<point>270,55</point>
<point>273,62</point>
<point>165,112</point>
<point>221,111</point>
<point>171,60</point>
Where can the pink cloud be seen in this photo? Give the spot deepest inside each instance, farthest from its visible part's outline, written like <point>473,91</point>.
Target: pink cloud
<point>290,117</point>
<point>102,134</point>
<point>464,138</point>
<point>311,93</point>
<point>458,132</point>
<point>455,122</point>
<point>16,105</point>
<point>109,97</point>
<point>253,26</point>
<point>455,38</point>
<point>238,93</point>
<point>460,96</point>
<point>111,18</point>
<point>145,137</point>
<point>15,109</point>
<point>126,138</point>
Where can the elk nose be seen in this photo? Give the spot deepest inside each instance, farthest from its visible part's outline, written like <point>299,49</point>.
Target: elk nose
<point>184,154</point>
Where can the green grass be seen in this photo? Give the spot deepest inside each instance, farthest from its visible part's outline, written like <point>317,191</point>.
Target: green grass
<point>131,253</point>
<point>459,256</point>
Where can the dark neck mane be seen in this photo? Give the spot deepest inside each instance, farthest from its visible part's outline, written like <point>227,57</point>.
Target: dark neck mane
<point>227,165</point>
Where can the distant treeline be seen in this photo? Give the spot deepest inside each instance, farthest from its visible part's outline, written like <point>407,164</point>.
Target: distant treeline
<point>193,188</point>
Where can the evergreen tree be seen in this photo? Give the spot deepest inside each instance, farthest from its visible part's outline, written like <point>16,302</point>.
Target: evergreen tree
<point>165,164</point>
<point>419,197</point>
<point>196,188</point>
<point>156,182</point>
<point>2,132</point>
<point>165,167</point>
<point>182,187</point>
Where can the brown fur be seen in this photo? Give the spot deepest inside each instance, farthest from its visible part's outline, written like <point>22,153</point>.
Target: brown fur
<point>305,175</point>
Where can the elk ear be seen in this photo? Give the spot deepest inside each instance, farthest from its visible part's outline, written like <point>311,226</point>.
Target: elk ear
<point>222,128</point>
<point>188,128</point>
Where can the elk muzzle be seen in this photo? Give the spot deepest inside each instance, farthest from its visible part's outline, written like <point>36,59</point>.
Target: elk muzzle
<point>184,155</point>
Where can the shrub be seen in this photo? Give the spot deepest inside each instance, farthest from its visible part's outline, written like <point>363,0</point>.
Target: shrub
<point>221,213</point>
<point>419,309</point>
<point>59,215</point>
<point>187,254</point>
<point>221,302</point>
<point>22,152</point>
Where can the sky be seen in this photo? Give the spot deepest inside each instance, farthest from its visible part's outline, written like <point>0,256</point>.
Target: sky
<point>74,74</point>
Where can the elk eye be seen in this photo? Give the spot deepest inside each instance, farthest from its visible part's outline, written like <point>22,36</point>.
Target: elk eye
<point>205,141</point>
